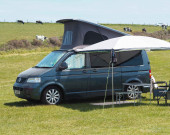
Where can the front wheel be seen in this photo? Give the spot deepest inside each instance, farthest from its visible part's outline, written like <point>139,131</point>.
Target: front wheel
<point>132,89</point>
<point>52,96</point>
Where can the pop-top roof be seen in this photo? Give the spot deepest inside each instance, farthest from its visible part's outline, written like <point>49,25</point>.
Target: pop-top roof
<point>80,32</point>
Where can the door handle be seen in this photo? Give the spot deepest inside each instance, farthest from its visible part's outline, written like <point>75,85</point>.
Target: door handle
<point>94,70</point>
<point>84,71</point>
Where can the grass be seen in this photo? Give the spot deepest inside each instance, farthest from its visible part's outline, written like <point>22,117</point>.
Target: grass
<point>23,50</point>
<point>28,31</point>
<point>134,27</point>
<point>160,63</point>
<point>17,116</point>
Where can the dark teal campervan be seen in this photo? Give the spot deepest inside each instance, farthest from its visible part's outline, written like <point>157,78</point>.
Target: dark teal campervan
<point>66,74</point>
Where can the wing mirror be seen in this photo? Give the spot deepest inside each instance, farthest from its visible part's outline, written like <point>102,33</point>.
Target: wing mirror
<point>63,66</point>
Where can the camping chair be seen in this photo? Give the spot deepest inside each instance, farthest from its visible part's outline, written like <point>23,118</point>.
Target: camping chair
<point>168,94</point>
<point>160,91</point>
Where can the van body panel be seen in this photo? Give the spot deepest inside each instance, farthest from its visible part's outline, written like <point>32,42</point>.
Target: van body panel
<point>28,91</point>
<point>75,82</point>
<point>31,72</point>
<point>138,73</point>
<point>98,80</point>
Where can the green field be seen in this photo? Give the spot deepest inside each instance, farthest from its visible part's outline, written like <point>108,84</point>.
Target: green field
<point>28,31</point>
<point>134,27</point>
<point>20,117</point>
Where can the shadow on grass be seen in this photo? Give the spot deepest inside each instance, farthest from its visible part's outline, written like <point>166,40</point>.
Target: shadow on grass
<point>86,105</point>
<point>23,104</point>
<point>83,105</point>
<point>164,105</point>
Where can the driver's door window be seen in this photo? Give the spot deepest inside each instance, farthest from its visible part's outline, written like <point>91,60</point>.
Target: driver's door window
<point>76,61</point>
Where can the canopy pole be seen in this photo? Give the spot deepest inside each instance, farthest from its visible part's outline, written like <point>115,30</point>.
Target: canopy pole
<point>106,86</point>
<point>151,88</point>
<point>113,60</point>
<point>112,87</point>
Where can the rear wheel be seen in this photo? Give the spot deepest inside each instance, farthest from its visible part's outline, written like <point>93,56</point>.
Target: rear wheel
<point>52,96</point>
<point>132,89</point>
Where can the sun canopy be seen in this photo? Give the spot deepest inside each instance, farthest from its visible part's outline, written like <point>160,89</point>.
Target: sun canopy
<point>126,43</point>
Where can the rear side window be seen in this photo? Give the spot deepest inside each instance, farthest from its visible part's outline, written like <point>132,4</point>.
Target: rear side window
<point>130,58</point>
<point>135,60</point>
<point>99,60</point>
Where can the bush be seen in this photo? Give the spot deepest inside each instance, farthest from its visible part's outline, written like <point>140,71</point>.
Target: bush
<point>157,34</point>
<point>36,42</point>
<point>25,44</point>
<point>55,41</point>
<point>19,43</point>
<point>16,44</point>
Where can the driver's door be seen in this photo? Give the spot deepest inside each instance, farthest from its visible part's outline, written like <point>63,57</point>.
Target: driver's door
<point>75,77</point>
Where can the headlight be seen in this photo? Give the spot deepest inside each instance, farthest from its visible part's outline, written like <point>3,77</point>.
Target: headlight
<point>34,80</point>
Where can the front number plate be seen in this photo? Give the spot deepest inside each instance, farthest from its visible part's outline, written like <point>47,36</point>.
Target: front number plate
<point>17,92</point>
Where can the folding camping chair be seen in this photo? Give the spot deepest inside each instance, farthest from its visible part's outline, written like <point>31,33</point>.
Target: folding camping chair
<point>168,94</point>
<point>162,91</point>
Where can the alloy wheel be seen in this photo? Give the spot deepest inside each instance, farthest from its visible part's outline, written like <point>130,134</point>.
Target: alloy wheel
<point>52,96</point>
<point>132,88</point>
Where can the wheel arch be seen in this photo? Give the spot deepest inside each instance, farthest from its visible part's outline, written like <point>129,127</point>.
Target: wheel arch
<point>133,80</point>
<point>54,85</point>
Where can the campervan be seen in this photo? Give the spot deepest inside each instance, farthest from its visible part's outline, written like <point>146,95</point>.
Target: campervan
<point>66,74</point>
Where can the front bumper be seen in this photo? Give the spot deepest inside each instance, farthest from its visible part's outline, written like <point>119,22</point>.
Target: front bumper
<point>27,91</point>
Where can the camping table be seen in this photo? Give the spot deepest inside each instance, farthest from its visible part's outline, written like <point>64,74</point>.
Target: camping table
<point>137,84</point>
<point>119,94</point>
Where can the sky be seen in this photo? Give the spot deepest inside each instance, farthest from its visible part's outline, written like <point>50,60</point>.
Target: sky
<point>97,11</point>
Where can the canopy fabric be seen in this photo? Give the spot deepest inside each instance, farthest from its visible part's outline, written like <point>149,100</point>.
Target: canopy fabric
<point>126,43</point>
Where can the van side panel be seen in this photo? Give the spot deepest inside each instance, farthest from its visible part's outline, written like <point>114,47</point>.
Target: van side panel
<point>138,73</point>
<point>98,81</point>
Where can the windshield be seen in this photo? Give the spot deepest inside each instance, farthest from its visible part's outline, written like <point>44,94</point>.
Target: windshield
<point>51,59</point>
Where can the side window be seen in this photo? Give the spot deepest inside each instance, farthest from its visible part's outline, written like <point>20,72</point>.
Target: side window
<point>99,60</point>
<point>76,61</point>
<point>134,61</point>
<point>92,37</point>
<point>129,58</point>
<point>67,40</point>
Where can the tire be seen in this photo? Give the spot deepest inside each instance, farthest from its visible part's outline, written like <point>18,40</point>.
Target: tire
<point>52,96</point>
<point>132,88</point>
